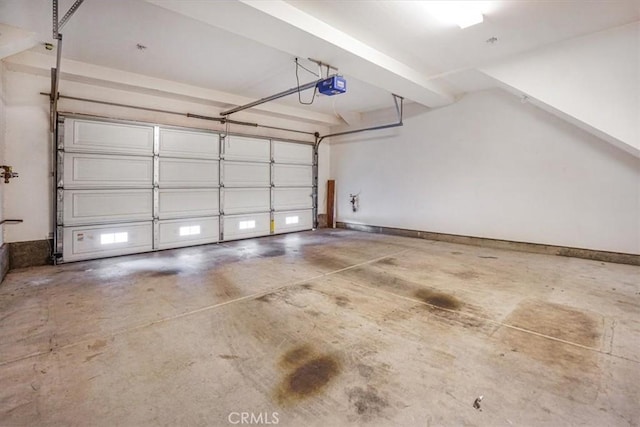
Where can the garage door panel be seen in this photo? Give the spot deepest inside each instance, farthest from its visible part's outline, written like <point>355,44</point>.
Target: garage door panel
<point>288,152</point>
<point>292,175</point>
<point>88,242</point>
<point>188,144</point>
<point>245,226</point>
<point>95,206</point>
<point>245,200</point>
<point>286,222</point>
<point>187,173</point>
<point>116,177</point>
<point>103,137</point>
<point>246,174</point>
<point>106,171</point>
<point>285,199</point>
<point>245,148</point>
<point>183,203</point>
<point>187,232</point>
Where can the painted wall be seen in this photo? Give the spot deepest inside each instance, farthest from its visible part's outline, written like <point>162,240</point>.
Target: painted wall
<point>3,128</point>
<point>491,166</point>
<point>28,142</point>
<point>594,79</point>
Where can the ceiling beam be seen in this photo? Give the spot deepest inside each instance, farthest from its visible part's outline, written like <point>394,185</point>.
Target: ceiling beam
<point>280,25</point>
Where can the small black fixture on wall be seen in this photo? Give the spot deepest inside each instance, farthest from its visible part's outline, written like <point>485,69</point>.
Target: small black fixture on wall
<point>355,201</point>
<point>7,173</point>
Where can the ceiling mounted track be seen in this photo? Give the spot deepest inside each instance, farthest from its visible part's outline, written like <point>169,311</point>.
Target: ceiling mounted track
<point>55,72</point>
<point>279,95</point>
<point>221,120</point>
<point>54,95</point>
<point>399,104</point>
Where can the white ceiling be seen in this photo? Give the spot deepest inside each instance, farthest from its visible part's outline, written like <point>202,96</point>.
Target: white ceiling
<point>184,49</point>
<point>405,31</point>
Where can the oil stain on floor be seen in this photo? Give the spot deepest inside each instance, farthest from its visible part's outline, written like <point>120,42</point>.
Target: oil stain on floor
<point>569,368</point>
<point>438,299</point>
<point>449,309</point>
<point>307,374</point>
<point>559,321</point>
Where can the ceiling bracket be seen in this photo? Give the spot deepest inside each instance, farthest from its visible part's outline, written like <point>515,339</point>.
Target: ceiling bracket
<point>57,26</point>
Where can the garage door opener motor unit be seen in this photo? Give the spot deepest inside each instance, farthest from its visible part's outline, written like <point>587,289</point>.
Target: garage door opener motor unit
<point>333,85</point>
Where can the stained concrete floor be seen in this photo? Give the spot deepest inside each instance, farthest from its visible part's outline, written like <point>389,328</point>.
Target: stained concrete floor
<point>331,328</point>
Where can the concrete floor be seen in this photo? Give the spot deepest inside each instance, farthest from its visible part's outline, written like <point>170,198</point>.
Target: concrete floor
<point>331,327</point>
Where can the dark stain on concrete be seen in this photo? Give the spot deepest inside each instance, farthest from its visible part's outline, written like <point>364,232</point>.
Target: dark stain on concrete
<point>367,402</point>
<point>274,252</point>
<point>310,378</point>
<point>296,356</point>
<point>308,373</point>
<point>559,321</point>
<point>371,276</point>
<point>163,273</point>
<point>327,262</point>
<point>342,301</point>
<point>448,309</point>
<point>569,371</point>
<point>453,313</point>
<point>438,299</point>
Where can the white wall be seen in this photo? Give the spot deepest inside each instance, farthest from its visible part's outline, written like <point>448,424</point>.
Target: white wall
<point>491,166</point>
<point>28,142</point>
<point>3,128</point>
<point>27,150</point>
<point>594,79</point>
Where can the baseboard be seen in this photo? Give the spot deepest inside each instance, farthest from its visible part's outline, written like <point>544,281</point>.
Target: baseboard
<point>619,258</point>
<point>4,261</point>
<point>29,254</point>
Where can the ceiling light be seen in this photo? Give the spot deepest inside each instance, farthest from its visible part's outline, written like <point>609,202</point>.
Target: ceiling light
<point>462,13</point>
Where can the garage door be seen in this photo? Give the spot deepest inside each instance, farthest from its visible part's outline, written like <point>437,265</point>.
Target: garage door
<point>127,188</point>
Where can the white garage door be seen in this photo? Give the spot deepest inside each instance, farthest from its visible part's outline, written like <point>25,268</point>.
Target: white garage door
<point>128,188</point>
